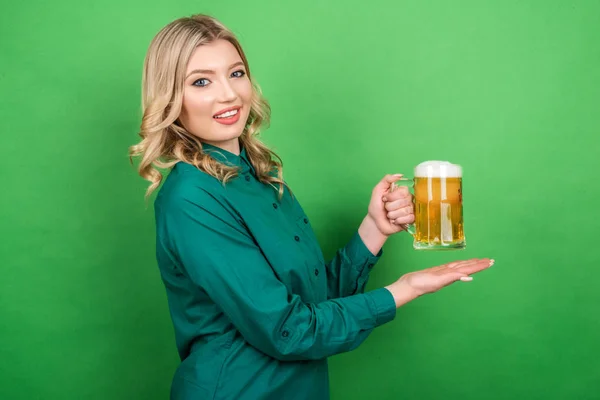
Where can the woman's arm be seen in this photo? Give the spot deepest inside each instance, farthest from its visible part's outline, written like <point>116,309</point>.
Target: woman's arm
<point>371,235</point>
<point>348,270</point>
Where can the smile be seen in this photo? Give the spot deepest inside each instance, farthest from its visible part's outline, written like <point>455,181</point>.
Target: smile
<point>227,114</point>
<point>228,117</point>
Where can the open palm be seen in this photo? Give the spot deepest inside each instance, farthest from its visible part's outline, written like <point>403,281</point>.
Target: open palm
<point>433,279</point>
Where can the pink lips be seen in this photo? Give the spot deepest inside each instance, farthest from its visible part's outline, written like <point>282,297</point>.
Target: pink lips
<point>229,120</point>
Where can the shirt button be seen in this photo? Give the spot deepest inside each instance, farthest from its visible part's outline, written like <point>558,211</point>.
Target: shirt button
<point>306,220</point>
<point>297,238</point>
<point>285,334</point>
<point>275,206</point>
<point>316,272</point>
<point>247,178</point>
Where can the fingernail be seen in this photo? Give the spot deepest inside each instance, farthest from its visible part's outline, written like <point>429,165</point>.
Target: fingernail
<point>384,199</point>
<point>397,174</point>
<point>466,278</point>
<point>492,261</point>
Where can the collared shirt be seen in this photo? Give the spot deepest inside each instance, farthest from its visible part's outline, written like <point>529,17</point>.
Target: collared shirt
<point>255,307</point>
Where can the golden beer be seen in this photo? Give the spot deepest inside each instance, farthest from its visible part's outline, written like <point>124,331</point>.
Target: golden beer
<point>438,207</point>
<point>438,211</point>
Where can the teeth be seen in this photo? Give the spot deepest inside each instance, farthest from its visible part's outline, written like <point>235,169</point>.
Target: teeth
<point>227,114</point>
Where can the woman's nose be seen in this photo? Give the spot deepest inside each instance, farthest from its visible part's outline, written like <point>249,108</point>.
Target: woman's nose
<point>228,92</point>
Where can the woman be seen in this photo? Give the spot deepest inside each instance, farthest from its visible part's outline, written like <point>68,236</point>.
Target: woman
<point>255,307</point>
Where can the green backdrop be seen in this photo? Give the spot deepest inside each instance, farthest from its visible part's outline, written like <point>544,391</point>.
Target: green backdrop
<point>509,89</point>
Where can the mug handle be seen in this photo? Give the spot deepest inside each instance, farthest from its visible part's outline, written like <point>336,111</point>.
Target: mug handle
<point>410,228</point>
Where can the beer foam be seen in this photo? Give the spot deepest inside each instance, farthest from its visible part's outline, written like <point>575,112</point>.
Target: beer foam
<point>438,169</point>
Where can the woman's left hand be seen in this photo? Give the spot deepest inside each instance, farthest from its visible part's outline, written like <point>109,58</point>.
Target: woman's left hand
<point>391,210</point>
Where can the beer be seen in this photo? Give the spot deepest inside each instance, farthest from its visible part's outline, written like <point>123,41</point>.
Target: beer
<point>438,206</point>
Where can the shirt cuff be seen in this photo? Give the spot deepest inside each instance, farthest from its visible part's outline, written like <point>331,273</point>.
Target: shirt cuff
<point>359,254</point>
<point>383,305</point>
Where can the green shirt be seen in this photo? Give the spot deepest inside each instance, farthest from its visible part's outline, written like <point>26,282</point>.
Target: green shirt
<point>255,307</point>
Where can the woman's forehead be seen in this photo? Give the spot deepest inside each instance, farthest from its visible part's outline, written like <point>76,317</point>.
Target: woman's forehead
<point>220,55</point>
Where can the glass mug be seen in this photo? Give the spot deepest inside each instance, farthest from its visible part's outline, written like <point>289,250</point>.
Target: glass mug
<point>438,206</point>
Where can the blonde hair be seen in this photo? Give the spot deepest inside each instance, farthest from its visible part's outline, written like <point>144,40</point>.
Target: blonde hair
<point>164,141</point>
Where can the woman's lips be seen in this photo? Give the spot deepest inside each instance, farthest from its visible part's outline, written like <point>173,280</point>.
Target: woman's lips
<point>229,120</point>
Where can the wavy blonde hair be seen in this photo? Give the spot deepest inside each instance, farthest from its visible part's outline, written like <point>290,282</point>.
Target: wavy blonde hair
<point>164,141</point>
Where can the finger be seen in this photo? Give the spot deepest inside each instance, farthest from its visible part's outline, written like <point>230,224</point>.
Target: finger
<point>397,193</point>
<point>456,264</point>
<point>403,212</point>
<point>385,184</point>
<point>409,219</point>
<point>388,185</point>
<point>397,204</point>
<point>461,277</point>
<point>450,268</point>
<point>473,268</point>
<point>450,277</point>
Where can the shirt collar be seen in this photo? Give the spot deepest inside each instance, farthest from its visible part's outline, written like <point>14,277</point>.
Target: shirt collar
<point>229,158</point>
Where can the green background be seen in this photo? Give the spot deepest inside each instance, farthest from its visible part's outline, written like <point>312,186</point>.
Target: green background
<point>509,89</point>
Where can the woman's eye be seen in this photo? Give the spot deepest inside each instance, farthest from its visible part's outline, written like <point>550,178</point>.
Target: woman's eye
<point>201,82</point>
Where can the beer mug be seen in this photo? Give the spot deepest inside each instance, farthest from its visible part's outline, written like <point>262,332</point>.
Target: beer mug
<point>437,187</point>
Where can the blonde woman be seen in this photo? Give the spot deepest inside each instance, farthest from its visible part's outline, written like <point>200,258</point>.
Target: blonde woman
<point>255,307</point>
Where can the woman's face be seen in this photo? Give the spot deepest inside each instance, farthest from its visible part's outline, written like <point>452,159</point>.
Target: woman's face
<point>217,95</point>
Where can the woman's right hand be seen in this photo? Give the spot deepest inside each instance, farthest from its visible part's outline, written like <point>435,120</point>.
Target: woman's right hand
<point>415,284</point>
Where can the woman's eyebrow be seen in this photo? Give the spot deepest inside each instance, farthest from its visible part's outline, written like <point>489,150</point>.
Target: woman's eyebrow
<point>209,71</point>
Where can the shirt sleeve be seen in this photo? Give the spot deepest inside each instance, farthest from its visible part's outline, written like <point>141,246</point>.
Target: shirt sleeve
<point>219,255</point>
<point>348,271</point>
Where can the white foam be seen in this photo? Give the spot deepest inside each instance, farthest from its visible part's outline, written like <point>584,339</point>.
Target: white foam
<point>438,169</point>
